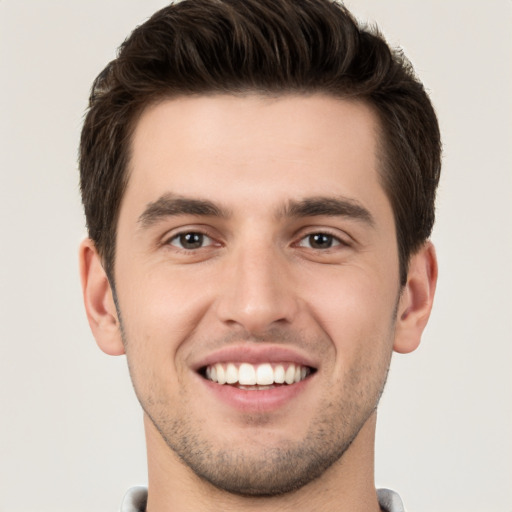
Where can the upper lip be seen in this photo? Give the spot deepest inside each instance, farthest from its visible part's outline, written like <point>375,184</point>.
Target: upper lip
<point>255,354</point>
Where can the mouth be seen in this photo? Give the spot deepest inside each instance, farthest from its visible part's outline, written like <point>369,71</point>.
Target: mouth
<point>256,377</point>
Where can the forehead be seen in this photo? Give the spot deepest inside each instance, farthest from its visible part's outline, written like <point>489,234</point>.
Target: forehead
<point>229,148</point>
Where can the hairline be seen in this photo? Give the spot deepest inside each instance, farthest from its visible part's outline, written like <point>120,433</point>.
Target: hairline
<point>383,150</point>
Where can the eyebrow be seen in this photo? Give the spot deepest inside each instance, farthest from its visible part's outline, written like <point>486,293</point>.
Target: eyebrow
<point>329,207</point>
<point>171,205</point>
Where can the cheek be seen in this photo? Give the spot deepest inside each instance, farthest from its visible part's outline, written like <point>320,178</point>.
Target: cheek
<point>163,307</point>
<point>355,309</point>
<point>159,313</point>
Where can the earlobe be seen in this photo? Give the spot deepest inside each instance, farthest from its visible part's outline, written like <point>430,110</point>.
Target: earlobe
<point>98,300</point>
<point>416,300</point>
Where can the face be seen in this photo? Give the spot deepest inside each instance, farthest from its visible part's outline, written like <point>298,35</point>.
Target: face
<point>257,283</point>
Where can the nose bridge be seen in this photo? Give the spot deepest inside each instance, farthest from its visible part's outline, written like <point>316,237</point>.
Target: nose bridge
<point>258,291</point>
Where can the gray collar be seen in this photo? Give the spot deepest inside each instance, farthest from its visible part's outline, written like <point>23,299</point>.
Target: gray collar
<point>136,498</point>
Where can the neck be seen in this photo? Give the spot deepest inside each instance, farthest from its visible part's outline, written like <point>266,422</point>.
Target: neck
<point>348,485</point>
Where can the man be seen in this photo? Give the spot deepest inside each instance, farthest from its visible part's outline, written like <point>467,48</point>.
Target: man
<point>258,179</point>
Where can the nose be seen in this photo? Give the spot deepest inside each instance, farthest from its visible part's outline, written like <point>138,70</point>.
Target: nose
<point>257,290</point>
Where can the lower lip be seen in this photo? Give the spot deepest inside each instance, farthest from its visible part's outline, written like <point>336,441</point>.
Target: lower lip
<point>264,400</point>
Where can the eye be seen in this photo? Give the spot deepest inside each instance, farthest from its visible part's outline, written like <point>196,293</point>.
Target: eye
<point>319,241</point>
<point>190,240</point>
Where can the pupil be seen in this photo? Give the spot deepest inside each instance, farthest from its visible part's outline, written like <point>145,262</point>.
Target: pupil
<point>191,240</point>
<point>320,241</point>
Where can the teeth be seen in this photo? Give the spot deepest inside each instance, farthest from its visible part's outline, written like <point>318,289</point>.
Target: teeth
<point>289,376</point>
<point>246,375</point>
<point>263,376</point>
<point>279,374</point>
<point>221,374</point>
<point>231,374</point>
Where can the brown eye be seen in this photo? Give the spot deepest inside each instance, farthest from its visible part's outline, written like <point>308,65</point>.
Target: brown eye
<point>319,241</point>
<point>191,240</point>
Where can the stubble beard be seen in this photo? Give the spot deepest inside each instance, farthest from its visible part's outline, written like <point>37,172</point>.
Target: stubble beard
<point>276,470</point>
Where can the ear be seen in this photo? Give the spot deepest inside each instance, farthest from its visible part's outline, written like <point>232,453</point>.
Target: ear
<point>99,301</point>
<point>416,300</point>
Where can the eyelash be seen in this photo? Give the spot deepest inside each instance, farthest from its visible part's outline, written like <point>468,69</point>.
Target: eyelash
<point>180,237</point>
<point>332,240</point>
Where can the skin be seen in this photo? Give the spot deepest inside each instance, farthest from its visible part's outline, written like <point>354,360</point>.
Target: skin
<point>241,171</point>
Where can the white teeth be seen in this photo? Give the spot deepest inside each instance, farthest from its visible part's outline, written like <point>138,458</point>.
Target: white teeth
<point>246,374</point>
<point>221,375</point>
<point>289,376</point>
<point>261,376</point>
<point>231,374</point>
<point>264,375</point>
<point>279,374</point>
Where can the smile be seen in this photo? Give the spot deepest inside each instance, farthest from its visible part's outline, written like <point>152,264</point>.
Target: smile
<point>255,377</point>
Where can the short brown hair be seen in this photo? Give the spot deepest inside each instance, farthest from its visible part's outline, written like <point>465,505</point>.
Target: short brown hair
<point>270,47</point>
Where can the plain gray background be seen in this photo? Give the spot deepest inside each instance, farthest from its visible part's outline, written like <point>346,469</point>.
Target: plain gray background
<point>71,430</point>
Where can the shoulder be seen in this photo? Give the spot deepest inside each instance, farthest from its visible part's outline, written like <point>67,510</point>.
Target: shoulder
<point>135,500</point>
<point>390,501</point>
